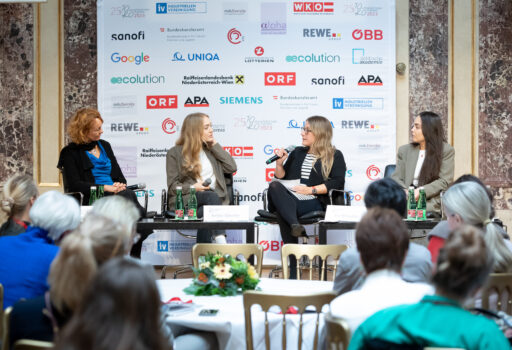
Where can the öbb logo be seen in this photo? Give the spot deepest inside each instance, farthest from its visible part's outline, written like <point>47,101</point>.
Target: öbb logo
<point>280,79</point>
<point>162,101</point>
<point>273,246</point>
<point>367,34</point>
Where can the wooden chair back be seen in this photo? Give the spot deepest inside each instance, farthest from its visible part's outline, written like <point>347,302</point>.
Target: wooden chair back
<point>28,344</point>
<point>499,285</point>
<point>322,251</point>
<point>1,310</point>
<point>235,250</point>
<point>5,328</point>
<point>338,333</point>
<point>266,300</point>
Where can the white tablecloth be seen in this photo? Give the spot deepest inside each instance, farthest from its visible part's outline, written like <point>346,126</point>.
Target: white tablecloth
<point>229,323</point>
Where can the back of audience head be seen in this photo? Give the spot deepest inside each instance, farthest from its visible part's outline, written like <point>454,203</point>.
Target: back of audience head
<point>122,211</point>
<point>95,241</point>
<point>470,177</point>
<point>56,213</point>
<point>464,263</point>
<point>19,192</point>
<point>120,310</point>
<point>382,240</point>
<point>468,203</point>
<point>386,193</point>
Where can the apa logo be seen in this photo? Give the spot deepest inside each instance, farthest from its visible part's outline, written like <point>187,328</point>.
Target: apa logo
<point>274,246</point>
<point>308,7</point>
<point>373,172</point>
<point>258,51</point>
<point>240,151</point>
<point>280,79</point>
<point>234,36</point>
<point>269,174</point>
<point>370,80</point>
<point>196,101</point>
<point>162,102</point>
<point>367,34</point>
<point>169,126</point>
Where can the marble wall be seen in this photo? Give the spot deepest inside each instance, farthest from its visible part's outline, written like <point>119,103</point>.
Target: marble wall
<point>495,99</point>
<point>16,89</point>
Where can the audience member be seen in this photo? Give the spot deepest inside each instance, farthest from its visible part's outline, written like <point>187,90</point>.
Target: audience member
<point>417,267</point>
<point>440,321</point>
<point>439,233</point>
<point>26,258</point>
<point>96,240</point>
<point>382,256</point>
<point>19,194</point>
<point>120,310</point>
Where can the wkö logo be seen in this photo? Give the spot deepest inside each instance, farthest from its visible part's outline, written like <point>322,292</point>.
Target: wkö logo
<point>320,33</point>
<point>319,7</point>
<point>358,103</point>
<point>181,8</point>
<point>116,57</point>
<point>240,151</point>
<point>241,100</point>
<point>370,80</point>
<point>162,101</point>
<point>196,101</point>
<point>207,56</point>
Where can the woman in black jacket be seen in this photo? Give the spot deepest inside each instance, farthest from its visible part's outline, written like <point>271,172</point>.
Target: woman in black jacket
<point>318,166</point>
<point>88,161</point>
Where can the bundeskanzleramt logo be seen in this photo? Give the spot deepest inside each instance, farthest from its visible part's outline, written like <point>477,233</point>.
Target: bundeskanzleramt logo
<point>358,103</point>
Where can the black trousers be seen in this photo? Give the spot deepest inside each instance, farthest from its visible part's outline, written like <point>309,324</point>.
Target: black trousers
<point>206,198</point>
<point>288,208</point>
<point>132,197</point>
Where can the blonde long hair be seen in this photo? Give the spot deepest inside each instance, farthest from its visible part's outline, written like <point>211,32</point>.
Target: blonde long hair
<point>322,148</point>
<point>191,141</point>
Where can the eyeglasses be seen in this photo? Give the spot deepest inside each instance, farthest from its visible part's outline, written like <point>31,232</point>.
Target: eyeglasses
<point>305,130</point>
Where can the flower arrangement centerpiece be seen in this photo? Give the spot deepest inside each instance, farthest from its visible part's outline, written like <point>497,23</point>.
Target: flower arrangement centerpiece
<point>222,275</point>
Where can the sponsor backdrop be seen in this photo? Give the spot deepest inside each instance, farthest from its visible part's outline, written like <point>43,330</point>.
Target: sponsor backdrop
<point>259,69</point>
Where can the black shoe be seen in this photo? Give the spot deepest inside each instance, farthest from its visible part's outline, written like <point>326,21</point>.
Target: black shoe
<point>298,231</point>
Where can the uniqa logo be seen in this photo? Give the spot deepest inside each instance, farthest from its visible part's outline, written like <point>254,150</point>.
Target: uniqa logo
<point>208,56</point>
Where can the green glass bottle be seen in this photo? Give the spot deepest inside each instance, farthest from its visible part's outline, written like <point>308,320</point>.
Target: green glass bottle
<point>421,208</point>
<point>101,192</point>
<point>192,204</point>
<point>179,208</point>
<point>92,195</point>
<point>411,205</point>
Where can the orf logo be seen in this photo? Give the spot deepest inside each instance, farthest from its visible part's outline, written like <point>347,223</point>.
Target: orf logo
<point>373,172</point>
<point>160,102</point>
<point>269,174</point>
<point>169,126</point>
<point>234,36</point>
<point>367,34</point>
<point>370,80</point>
<point>258,51</point>
<point>280,79</point>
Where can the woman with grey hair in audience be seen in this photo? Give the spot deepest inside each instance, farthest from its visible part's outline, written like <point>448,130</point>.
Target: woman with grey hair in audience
<point>26,258</point>
<point>19,194</point>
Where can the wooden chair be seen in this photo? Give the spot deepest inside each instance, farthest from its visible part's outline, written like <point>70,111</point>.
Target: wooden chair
<point>27,344</point>
<point>246,250</point>
<point>5,330</point>
<point>1,310</point>
<point>498,286</point>
<point>310,251</point>
<point>338,333</point>
<point>266,300</point>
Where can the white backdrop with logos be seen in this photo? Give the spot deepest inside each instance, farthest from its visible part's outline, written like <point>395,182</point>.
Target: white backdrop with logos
<point>258,69</point>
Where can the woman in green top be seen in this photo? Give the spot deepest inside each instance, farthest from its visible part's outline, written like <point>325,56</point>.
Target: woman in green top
<point>463,266</point>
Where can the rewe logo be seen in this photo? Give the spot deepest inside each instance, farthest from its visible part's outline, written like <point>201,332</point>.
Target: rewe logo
<point>161,102</point>
<point>125,127</point>
<point>319,33</point>
<point>358,124</point>
<point>169,126</point>
<point>367,34</point>
<point>370,80</point>
<point>196,101</point>
<point>280,79</point>
<point>302,6</point>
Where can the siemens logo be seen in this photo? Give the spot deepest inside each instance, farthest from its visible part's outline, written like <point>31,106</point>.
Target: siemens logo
<point>247,100</point>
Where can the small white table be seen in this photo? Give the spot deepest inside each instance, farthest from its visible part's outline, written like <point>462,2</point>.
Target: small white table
<point>229,323</point>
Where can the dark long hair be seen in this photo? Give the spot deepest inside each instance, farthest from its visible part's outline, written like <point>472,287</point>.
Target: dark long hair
<point>432,128</point>
<point>120,311</point>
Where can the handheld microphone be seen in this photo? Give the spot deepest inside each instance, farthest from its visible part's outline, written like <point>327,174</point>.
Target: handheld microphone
<point>140,186</point>
<point>276,157</point>
<point>206,182</point>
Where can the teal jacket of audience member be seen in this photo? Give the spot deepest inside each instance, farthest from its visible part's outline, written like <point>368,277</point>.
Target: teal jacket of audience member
<point>26,260</point>
<point>434,321</point>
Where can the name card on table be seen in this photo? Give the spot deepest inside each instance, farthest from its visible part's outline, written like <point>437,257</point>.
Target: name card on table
<point>225,213</point>
<point>335,213</point>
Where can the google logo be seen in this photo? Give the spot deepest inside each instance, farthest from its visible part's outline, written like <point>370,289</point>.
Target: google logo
<point>116,58</point>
